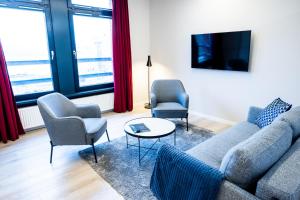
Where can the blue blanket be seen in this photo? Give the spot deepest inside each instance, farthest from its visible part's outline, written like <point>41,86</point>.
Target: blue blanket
<point>177,175</point>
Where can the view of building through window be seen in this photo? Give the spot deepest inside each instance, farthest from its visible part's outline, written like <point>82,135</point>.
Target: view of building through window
<point>29,38</point>
<point>94,3</point>
<point>93,39</point>
<point>24,39</point>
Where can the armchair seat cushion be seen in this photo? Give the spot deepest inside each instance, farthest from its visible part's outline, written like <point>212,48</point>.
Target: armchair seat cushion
<point>94,128</point>
<point>170,110</point>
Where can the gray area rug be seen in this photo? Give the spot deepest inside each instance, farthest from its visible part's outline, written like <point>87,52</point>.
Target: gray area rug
<point>120,168</point>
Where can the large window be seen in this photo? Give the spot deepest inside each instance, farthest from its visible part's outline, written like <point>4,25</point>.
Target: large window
<point>24,37</point>
<point>92,43</point>
<point>93,3</point>
<point>57,45</point>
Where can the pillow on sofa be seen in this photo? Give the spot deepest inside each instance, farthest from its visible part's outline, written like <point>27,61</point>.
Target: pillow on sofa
<point>246,162</point>
<point>293,118</point>
<point>270,112</point>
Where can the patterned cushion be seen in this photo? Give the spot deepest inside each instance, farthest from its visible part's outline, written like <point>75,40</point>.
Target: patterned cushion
<point>271,112</point>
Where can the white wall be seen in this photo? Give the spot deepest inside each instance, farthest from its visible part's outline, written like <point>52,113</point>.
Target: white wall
<point>275,53</point>
<point>140,47</point>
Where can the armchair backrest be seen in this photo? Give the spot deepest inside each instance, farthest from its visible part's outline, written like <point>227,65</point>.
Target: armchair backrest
<point>167,90</point>
<point>56,105</point>
<point>56,110</point>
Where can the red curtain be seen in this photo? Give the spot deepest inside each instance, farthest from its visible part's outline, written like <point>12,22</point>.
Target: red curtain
<point>123,100</point>
<point>10,123</point>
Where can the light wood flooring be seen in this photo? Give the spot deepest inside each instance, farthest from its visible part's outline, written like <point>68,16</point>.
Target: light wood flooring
<point>25,172</point>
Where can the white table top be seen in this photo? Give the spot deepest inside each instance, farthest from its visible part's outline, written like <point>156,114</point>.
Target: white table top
<point>158,127</point>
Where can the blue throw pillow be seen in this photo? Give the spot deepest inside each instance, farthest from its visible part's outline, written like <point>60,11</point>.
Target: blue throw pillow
<point>271,112</point>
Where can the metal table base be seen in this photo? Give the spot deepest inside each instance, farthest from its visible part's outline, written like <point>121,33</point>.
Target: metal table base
<point>148,148</point>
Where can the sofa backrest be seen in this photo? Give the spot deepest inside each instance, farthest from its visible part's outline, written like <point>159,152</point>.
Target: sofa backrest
<point>293,118</point>
<point>246,162</point>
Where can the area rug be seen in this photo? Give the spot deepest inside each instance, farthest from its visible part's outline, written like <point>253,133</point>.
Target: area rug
<point>119,166</point>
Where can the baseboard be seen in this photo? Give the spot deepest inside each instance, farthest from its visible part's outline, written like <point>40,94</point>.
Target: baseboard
<point>140,104</point>
<point>213,118</point>
<point>34,128</point>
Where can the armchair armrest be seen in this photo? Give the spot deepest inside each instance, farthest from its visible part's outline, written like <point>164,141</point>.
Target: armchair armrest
<point>153,100</point>
<point>253,113</point>
<point>67,131</point>
<point>88,110</point>
<point>183,99</point>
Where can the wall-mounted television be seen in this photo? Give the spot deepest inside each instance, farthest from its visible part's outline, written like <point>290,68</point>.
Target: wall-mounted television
<point>221,51</point>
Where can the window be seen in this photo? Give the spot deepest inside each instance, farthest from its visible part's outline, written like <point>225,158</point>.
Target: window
<point>94,3</point>
<point>57,45</point>
<point>26,51</point>
<point>92,44</point>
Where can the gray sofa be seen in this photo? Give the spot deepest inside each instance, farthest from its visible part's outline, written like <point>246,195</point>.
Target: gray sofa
<point>257,163</point>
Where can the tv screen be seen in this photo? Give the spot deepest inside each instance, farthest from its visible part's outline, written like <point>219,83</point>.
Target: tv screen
<point>221,51</point>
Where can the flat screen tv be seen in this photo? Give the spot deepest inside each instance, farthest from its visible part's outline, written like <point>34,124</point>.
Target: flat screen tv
<point>221,51</point>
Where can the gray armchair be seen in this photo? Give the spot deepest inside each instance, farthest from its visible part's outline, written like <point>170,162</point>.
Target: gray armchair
<point>169,100</point>
<point>71,124</point>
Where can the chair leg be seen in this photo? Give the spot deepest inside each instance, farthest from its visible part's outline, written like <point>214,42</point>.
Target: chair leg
<point>94,151</point>
<point>51,152</point>
<point>187,122</point>
<point>107,135</point>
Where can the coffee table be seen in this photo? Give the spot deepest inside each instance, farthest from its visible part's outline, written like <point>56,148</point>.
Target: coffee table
<point>158,128</point>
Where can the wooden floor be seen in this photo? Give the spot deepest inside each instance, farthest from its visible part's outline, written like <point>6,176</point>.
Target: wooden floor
<point>25,172</point>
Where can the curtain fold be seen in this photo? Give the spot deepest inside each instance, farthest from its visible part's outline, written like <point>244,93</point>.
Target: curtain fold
<point>10,123</point>
<point>122,64</point>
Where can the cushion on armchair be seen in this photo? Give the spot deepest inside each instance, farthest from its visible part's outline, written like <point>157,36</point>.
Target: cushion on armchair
<point>168,109</point>
<point>246,162</point>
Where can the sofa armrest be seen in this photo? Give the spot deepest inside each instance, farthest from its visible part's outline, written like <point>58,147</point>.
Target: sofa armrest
<point>177,175</point>
<point>253,113</point>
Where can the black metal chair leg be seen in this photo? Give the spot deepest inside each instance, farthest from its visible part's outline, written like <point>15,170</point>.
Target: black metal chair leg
<point>107,135</point>
<point>51,153</point>
<point>187,122</point>
<point>94,151</point>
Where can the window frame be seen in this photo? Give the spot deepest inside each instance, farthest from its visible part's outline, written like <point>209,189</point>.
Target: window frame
<point>65,79</point>
<point>89,11</point>
<point>36,6</point>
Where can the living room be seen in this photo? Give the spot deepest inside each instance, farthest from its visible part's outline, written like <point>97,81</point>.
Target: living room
<point>218,100</point>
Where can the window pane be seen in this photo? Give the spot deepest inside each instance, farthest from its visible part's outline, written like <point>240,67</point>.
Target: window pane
<point>26,51</point>
<point>93,38</point>
<point>94,3</point>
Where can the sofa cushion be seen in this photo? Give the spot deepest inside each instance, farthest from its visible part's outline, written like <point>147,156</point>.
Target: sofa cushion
<point>293,118</point>
<point>170,110</point>
<point>247,161</point>
<point>282,181</point>
<point>274,109</point>
<point>213,150</point>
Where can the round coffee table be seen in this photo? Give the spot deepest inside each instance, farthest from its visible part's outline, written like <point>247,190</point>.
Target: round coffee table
<point>158,128</point>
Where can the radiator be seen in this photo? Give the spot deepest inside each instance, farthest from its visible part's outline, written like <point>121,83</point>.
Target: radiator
<point>31,118</point>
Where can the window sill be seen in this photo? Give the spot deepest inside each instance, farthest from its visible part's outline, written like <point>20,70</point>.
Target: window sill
<point>33,102</point>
